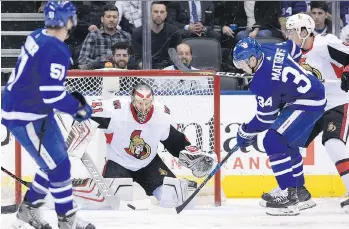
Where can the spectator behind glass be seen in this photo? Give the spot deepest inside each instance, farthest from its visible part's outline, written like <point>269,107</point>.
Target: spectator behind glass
<point>344,10</point>
<point>260,19</point>
<point>97,47</point>
<point>185,54</point>
<point>319,12</point>
<point>163,37</point>
<point>130,15</point>
<point>89,20</point>
<point>196,18</point>
<point>289,8</point>
<point>121,57</point>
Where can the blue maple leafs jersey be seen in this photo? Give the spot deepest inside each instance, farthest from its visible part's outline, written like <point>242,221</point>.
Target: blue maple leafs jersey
<point>35,86</point>
<point>292,48</point>
<point>280,82</point>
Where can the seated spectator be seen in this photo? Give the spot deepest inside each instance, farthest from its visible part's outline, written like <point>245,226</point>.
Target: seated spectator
<point>89,20</point>
<point>344,11</point>
<point>97,47</point>
<point>121,57</point>
<point>188,84</point>
<point>289,8</point>
<point>163,37</point>
<point>196,18</point>
<point>130,15</point>
<point>319,12</point>
<point>185,54</point>
<point>261,19</point>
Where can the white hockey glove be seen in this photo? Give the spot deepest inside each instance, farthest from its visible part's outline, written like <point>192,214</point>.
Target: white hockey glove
<point>201,163</point>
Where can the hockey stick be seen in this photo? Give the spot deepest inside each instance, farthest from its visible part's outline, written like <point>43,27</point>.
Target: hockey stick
<point>178,63</point>
<point>25,183</point>
<point>77,142</point>
<point>181,207</point>
<point>172,53</point>
<point>8,209</point>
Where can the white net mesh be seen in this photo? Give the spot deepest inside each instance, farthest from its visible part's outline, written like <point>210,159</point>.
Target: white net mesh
<point>189,98</point>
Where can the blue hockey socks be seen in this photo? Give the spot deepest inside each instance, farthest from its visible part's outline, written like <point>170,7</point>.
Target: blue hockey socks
<point>38,189</point>
<point>280,161</point>
<point>297,166</point>
<point>282,168</point>
<point>61,187</point>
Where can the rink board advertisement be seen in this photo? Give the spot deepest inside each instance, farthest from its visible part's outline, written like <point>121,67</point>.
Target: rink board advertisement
<point>246,174</point>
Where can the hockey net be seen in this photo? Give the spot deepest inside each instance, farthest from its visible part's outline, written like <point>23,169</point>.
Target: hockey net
<point>193,99</point>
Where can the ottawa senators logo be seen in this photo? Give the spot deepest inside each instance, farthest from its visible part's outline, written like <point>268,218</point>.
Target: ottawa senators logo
<point>138,147</point>
<point>309,68</point>
<point>162,172</point>
<point>331,127</point>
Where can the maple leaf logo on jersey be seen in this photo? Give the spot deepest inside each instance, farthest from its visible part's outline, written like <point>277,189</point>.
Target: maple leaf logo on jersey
<point>244,45</point>
<point>138,147</point>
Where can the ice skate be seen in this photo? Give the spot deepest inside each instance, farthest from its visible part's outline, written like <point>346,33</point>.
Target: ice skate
<point>285,204</point>
<point>30,214</point>
<point>71,221</point>
<point>268,196</point>
<point>304,197</point>
<point>345,204</point>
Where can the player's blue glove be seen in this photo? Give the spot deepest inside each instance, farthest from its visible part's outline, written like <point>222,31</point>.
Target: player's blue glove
<point>245,139</point>
<point>85,111</point>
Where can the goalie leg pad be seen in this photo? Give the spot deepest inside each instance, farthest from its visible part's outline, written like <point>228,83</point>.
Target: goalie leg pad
<point>122,187</point>
<point>173,192</point>
<point>88,196</point>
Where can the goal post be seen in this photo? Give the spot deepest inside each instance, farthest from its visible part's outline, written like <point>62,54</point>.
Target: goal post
<point>192,97</point>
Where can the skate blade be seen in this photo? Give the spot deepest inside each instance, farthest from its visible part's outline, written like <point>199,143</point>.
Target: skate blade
<point>306,205</point>
<point>289,211</point>
<point>20,224</point>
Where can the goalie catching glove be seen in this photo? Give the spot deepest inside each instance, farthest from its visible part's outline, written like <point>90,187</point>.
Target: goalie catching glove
<point>201,163</point>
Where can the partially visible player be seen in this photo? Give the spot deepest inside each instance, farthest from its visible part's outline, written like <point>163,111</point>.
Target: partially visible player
<point>135,128</point>
<point>33,91</point>
<point>289,101</point>
<point>328,58</point>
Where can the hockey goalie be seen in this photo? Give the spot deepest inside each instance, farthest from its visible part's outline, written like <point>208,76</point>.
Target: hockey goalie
<point>134,128</point>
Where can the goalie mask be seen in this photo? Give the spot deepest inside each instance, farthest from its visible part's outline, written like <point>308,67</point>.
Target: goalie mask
<point>142,100</point>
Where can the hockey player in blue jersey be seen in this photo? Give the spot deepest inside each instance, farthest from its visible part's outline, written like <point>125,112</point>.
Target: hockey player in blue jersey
<point>34,90</point>
<point>289,101</point>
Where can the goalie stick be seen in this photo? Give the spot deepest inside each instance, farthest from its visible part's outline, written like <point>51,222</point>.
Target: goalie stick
<point>78,139</point>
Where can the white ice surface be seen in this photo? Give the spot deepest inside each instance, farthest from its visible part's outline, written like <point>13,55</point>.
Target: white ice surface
<point>235,214</point>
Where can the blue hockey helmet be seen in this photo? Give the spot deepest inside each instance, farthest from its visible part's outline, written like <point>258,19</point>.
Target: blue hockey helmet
<point>57,13</point>
<point>244,50</point>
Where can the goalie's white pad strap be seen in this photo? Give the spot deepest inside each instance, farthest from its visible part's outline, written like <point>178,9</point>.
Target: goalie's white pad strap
<point>172,193</point>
